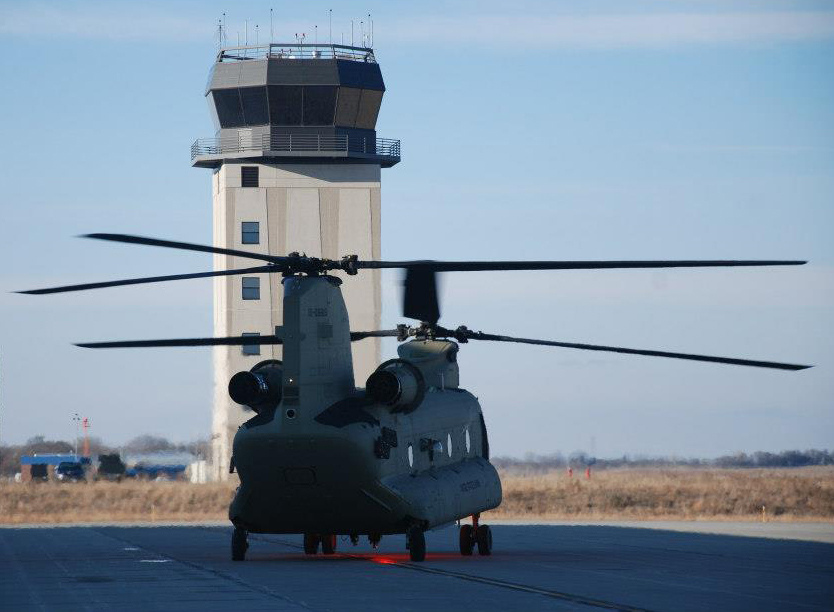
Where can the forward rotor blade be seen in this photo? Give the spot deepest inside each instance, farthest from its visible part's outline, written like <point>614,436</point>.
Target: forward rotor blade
<point>470,335</point>
<point>185,246</point>
<point>380,333</point>
<point>230,341</point>
<point>477,266</point>
<point>151,279</point>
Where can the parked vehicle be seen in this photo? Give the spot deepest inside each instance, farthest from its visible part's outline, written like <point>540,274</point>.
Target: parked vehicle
<point>110,467</point>
<point>70,471</point>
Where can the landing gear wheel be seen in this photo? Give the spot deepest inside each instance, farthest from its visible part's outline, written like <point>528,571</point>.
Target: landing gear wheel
<point>328,543</point>
<point>239,544</point>
<point>311,543</point>
<point>467,540</point>
<point>373,540</point>
<point>416,544</point>
<point>483,536</point>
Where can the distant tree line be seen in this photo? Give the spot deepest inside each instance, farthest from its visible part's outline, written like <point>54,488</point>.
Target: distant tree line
<point>532,463</point>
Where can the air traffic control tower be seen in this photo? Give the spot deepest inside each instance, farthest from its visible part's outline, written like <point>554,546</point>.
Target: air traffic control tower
<point>295,167</point>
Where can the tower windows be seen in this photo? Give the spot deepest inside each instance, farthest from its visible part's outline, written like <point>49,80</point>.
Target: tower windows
<point>250,232</point>
<point>251,349</point>
<point>251,288</point>
<point>249,176</point>
<point>292,105</point>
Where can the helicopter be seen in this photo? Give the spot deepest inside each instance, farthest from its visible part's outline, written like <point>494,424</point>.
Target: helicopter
<point>407,452</point>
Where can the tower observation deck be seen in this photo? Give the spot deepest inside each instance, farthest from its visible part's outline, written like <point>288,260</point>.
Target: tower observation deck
<point>296,166</point>
<point>295,102</point>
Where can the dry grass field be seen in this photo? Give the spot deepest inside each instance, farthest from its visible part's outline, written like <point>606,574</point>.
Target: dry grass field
<point>673,494</point>
<point>804,494</point>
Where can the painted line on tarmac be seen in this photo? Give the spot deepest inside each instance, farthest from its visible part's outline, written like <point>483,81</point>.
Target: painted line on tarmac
<point>219,573</point>
<point>577,599</point>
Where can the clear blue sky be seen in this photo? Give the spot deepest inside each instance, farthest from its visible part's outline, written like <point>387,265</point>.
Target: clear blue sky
<point>641,130</point>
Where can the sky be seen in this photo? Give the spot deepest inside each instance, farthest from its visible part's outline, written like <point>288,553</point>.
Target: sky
<point>671,129</point>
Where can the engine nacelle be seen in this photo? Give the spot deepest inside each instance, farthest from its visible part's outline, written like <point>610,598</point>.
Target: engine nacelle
<point>260,387</point>
<point>398,384</point>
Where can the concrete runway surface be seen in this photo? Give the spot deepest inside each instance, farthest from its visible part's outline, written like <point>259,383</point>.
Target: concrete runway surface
<point>534,567</point>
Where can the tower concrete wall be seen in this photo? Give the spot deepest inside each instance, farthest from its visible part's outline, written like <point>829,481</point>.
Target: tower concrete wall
<point>324,210</point>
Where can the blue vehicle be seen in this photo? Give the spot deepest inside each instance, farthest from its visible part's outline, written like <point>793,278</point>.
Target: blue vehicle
<point>70,471</point>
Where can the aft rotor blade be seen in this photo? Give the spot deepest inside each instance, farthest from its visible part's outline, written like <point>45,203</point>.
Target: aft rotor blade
<point>185,246</point>
<point>470,335</point>
<point>379,333</point>
<point>420,295</point>
<point>230,341</point>
<point>151,279</point>
<point>478,266</point>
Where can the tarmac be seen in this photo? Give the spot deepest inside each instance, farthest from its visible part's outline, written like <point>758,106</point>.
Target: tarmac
<point>566,566</point>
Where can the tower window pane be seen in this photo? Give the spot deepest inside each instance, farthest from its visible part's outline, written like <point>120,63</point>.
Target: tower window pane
<point>250,232</point>
<point>251,288</point>
<point>249,176</point>
<point>229,111</point>
<point>285,104</point>
<point>368,109</point>
<point>319,104</point>
<point>254,105</point>
<point>347,106</point>
<point>251,349</point>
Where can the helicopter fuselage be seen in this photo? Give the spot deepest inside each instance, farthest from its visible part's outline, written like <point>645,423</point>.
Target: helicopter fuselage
<point>344,476</point>
<point>329,458</point>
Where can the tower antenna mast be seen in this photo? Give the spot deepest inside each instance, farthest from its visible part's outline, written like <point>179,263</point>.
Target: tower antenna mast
<point>330,16</point>
<point>271,33</point>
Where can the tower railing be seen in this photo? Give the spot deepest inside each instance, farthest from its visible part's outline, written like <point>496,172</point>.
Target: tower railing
<point>297,145</point>
<point>289,51</point>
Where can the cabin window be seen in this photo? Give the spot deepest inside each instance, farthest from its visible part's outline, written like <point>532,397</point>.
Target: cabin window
<point>410,456</point>
<point>468,441</point>
<point>449,444</point>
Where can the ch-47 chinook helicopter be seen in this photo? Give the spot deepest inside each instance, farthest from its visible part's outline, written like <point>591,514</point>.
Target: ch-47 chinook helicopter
<point>407,453</point>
